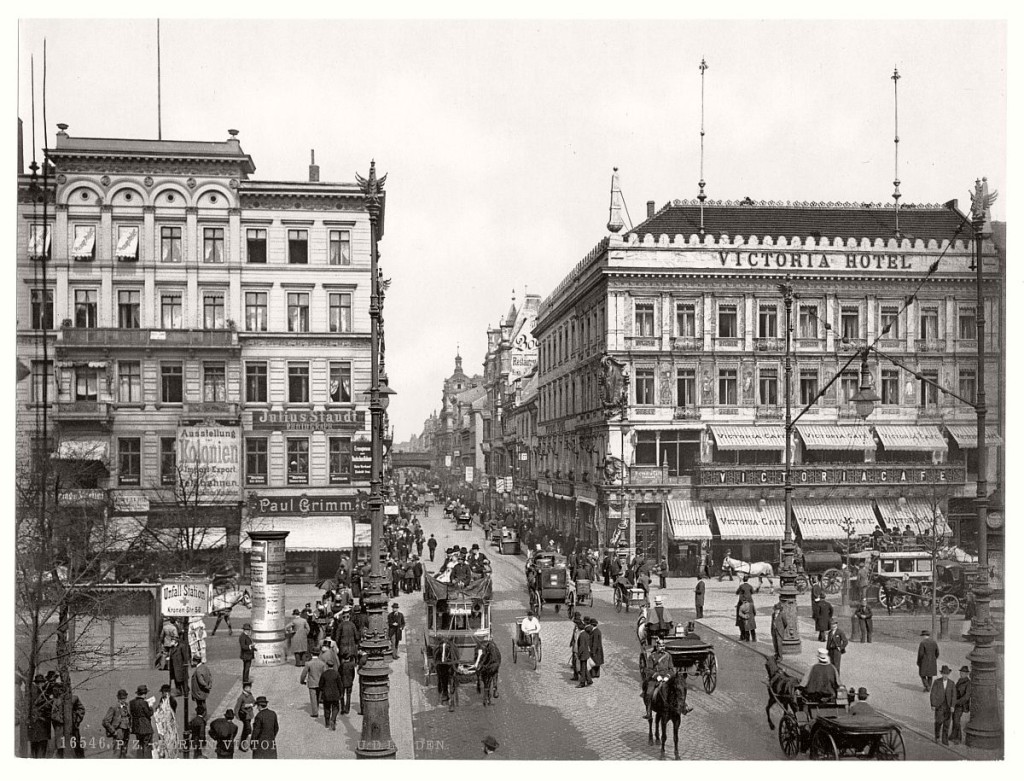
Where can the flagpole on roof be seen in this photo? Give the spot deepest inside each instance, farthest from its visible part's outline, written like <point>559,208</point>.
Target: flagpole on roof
<point>701,196</point>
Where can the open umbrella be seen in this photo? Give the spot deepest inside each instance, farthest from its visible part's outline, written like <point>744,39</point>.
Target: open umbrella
<point>326,584</point>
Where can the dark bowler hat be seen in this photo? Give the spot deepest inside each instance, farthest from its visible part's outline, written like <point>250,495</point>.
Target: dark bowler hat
<point>165,688</point>
<point>141,690</point>
<point>862,692</point>
<point>945,669</point>
<point>262,701</point>
<point>925,632</point>
<point>394,604</point>
<point>247,627</point>
<point>491,743</point>
<point>122,694</point>
<point>965,669</point>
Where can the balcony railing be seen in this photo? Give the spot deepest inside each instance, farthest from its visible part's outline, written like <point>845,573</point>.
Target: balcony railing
<point>687,343</point>
<point>929,345</point>
<point>98,411</point>
<point>686,413</point>
<point>644,342</point>
<point>211,408</point>
<point>768,413</point>
<point>771,344</point>
<point>728,342</point>
<point>147,337</point>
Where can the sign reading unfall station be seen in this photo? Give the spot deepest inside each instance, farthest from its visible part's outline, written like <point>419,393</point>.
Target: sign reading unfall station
<point>308,420</point>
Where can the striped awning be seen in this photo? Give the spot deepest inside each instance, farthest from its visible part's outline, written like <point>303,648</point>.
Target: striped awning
<point>916,513</point>
<point>128,242</point>
<point>305,534</point>
<point>746,520</point>
<point>818,437</point>
<point>689,520</point>
<point>911,437</point>
<point>827,519</point>
<point>966,434</point>
<point>749,437</point>
<point>85,240</point>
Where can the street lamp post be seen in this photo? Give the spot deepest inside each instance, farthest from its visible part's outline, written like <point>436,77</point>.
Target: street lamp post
<point>790,645</point>
<point>375,740</point>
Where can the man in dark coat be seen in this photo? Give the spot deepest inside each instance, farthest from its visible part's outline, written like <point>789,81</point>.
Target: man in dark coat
<point>962,704</point>
<point>223,730</point>
<point>178,666</point>
<point>247,651</point>
<point>396,623</point>
<point>330,694</point>
<point>865,620</point>
<point>142,723</point>
<point>117,724</point>
<point>779,624</point>
<point>835,644</point>
<point>202,680</point>
<point>264,732</point>
<point>197,733</point>
<point>823,618</point>
<point>244,706</point>
<point>347,673</point>
<point>432,546</point>
<point>698,595</point>
<point>39,718</point>
<point>927,659</point>
<point>346,633</point>
<point>596,646</point>
<point>417,570</point>
<point>943,700</point>
<point>583,655</point>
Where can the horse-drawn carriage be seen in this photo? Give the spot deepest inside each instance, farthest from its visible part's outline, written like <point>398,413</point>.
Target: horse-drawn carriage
<point>463,520</point>
<point>521,644</point>
<point>829,731</point>
<point>953,580</point>
<point>634,596</point>
<point>584,593</point>
<point>690,653</point>
<point>547,578</point>
<point>509,545</point>
<point>828,564</point>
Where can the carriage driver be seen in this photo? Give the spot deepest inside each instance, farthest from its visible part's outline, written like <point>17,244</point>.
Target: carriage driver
<point>530,627</point>
<point>659,669</point>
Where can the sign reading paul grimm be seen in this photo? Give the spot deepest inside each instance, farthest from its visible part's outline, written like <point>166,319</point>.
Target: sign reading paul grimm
<point>209,463</point>
<point>301,504</point>
<point>309,420</point>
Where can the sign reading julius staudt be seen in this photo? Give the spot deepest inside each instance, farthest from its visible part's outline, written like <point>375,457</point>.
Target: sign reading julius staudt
<point>309,420</point>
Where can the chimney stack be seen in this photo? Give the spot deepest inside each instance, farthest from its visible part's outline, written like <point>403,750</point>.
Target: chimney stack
<point>650,209</point>
<point>314,169</point>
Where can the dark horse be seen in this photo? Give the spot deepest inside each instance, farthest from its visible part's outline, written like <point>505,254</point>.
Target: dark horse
<point>446,657</point>
<point>487,663</point>
<point>782,689</point>
<point>668,703</point>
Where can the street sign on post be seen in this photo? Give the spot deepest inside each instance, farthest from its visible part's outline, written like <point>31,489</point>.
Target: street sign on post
<point>184,597</point>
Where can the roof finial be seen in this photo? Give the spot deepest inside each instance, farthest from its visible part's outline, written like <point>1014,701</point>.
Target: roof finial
<point>896,176</point>
<point>701,196</point>
<point>614,208</point>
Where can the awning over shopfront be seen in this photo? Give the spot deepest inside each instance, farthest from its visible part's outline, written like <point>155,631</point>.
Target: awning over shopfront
<point>82,450</point>
<point>689,520</point>
<point>305,534</point>
<point>911,437</point>
<point>747,520</point>
<point>966,434</point>
<point>827,519</point>
<point>749,437</point>
<point>916,513</point>
<point>133,532</point>
<point>819,437</point>
<point>587,500</point>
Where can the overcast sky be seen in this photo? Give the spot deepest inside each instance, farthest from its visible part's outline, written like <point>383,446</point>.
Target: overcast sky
<point>499,137</point>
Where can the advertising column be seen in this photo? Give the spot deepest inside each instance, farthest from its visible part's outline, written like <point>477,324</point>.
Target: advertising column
<point>268,619</point>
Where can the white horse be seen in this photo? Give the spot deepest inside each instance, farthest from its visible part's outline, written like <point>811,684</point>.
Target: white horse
<point>759,570</point>
<point>222,603</point>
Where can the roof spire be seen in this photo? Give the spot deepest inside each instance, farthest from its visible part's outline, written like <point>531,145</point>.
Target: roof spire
<point>614,208</point>
<point>896,140</point>
<point>701,196</point>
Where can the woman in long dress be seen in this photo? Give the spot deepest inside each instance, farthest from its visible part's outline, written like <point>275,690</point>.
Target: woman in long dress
<point>165,726</point>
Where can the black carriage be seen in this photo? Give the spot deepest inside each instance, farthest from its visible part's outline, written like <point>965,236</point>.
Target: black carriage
<point>828,564</point>
<point>690,654</point>
<point>547,578</point>
<point>829,731</point>
<point>510,545</point>
<point>463,521</point>
<point>461,615</point>
<point>584,593</point>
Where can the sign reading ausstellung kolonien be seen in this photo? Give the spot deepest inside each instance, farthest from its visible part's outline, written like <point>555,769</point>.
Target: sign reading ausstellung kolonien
<point>209,462</point>
<point>309,420</point>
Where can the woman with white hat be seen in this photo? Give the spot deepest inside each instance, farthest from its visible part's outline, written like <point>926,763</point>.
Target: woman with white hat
<point>821,682</point>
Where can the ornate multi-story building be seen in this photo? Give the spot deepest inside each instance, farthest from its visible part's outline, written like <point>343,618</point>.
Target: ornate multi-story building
<point>208,336</point>
<point>662,377</point>
<point>451,435</point>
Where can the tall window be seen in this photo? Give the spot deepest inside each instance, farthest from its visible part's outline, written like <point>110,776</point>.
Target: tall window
<point>767,321</point>
<point>340,452</point>
<point>256,245</point>
<point>168,461</point>
<point>214,382</point>
<point>768,387</point>
<point>170,244</point>
<point>849,384</point>
<point>42,377</point>
<point>644,314</point>
<point>686,320</point>
<point>213,310</point>
<point>646,451</point>
<point>129,382</point>
<point>727,324</point>
<point>127,243</point>
<point>929,323</point>
<point>890,321</point>
<point>645,386</point>
<point>84,246</point>
<point>849,322</point>
<point>967,322</point>
<point>298,460</point>
<point>298,382</point>
<point>808,386</point>
<point>340,248</point>
<point>170,310</point>
<point>256,461</point>
<point>890,387</point>
<point>929,394</point>
<point>686,387</point>
<point>129,461</point>
<point>298,246</point>
<point>256,311</point>
<point>87,384</point>
<point>256,382</point>
<point>727,390</point>
<point>968,384</point>
<point>171,376</point>
<point>42,308</point>
<point>340,305</point>
<point>129,309</point>
<point>341,382</point>
<point>298,312</point>
<point>39,242</point>
<point>213,245</point>
<point>807,321</point>
<point>85,308</point>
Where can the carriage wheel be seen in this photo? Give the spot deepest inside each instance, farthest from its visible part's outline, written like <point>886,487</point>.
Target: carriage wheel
<point>536,651</point>
<point>711,673</point>
<point>535,602</point>
<point>832,580</point>
<point>890,746</point>
<point>949,605</point>
<point>571,602</point>
<point>426,665</point>
<point>801,584</point>
<point>515,652</point>
<point>822,746</point>
<point>642,664</point>
<point>618,602</point>
<point>789,735</point>
<point>897,600</point>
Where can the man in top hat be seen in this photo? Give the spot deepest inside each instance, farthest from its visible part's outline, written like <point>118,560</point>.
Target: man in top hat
<point>141,711</point>
<point>596,646</point>
<point>861,707</point>
<point>963,703</point>
<point>821,681</point>
<point>396,624</point>
<point>943,700</point>
<point>927,659</point>
<point>490,745</point>
<point>660,621</point>
<point>246,651</point>
<point>264,731</point>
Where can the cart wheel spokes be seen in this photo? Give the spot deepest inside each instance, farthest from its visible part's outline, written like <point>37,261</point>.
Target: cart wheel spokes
<point>801,584</point>
<point>711,673</point>
<point>822,746</point>
<point>537,651</point>
<point>572,606</point>
<point>890,746</point>
<point>789,735</point>
<point>515,652</point>
<point>426,665</point>
<point>833,581</point>
<point>535,602</point>
<point>618,603</point>
<point>949,605</point>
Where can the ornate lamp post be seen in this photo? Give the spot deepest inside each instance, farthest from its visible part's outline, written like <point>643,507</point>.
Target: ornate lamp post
<point>375,742</point>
